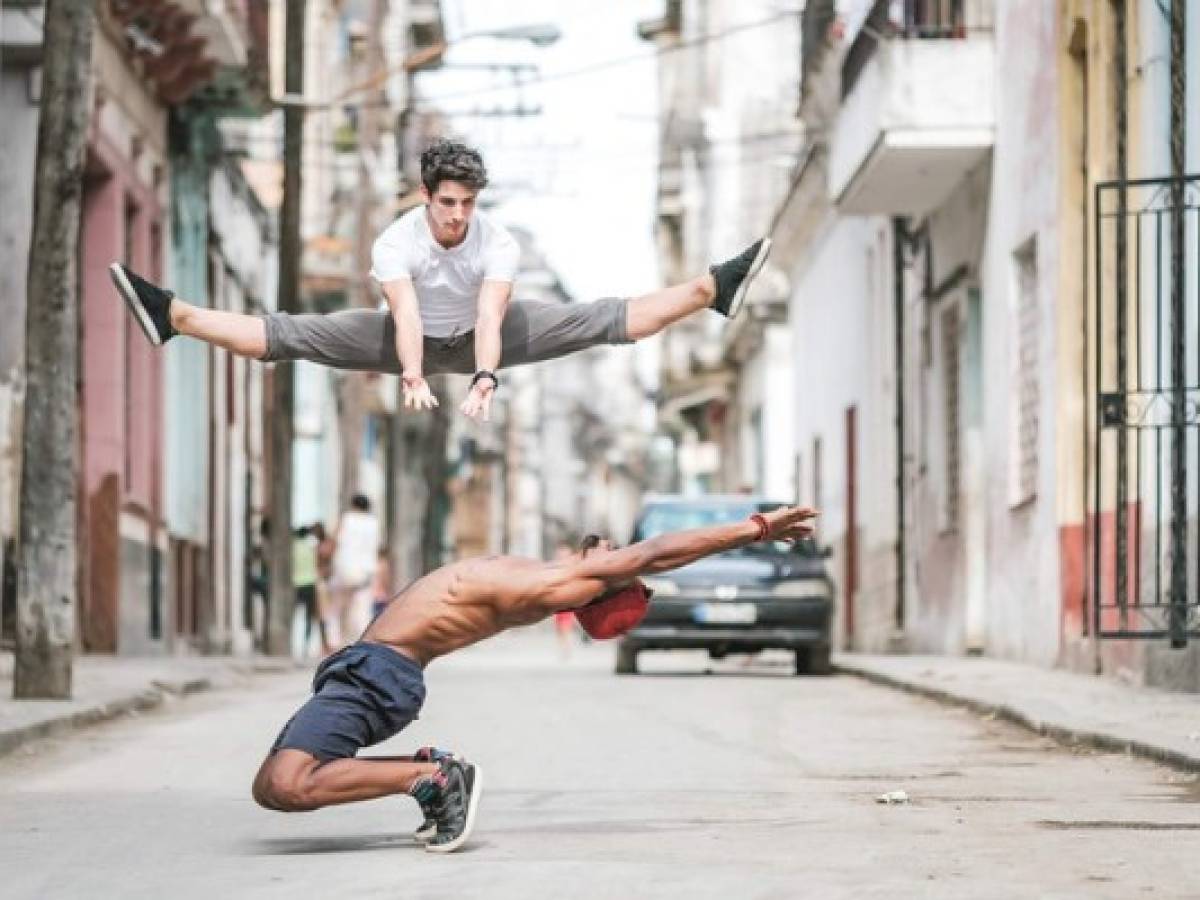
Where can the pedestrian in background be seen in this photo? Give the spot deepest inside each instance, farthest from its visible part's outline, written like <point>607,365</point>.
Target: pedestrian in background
<point>258,571</point>
<point>354,561</point>
<point>304,582</point>
<point>325,549</point>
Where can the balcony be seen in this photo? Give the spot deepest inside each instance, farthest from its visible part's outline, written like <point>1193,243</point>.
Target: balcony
<point>917,114</point>
<point>223,24</point>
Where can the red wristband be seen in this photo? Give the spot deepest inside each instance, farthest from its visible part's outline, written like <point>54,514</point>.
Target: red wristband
<point>763,528</point>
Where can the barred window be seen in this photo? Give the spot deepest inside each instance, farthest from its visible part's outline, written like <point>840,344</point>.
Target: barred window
<point>1024,383</point>
<point>951,406</point>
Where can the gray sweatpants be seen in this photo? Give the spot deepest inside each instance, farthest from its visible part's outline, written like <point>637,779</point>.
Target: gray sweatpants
<point>365,339</point>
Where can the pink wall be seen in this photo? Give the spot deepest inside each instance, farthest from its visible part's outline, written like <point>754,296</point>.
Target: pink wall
<point>120,390</point>
<point>113,424</point>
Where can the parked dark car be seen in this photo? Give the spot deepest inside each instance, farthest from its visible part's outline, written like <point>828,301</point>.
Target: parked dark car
<point>770,595</point>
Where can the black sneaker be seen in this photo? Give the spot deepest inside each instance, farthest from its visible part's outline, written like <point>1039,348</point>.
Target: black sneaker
<point>459,804</point>
<point>733,277</point>
<point>150,304</point>
<point>428,828</point>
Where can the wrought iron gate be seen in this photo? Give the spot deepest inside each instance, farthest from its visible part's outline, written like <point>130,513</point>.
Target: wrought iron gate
<point>1145,492</point>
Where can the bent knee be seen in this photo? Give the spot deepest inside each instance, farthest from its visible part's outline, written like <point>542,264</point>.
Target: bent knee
<point>282,792</point>
<point>262,796</point>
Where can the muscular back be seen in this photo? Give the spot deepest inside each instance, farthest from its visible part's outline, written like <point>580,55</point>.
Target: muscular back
<point>462,603</point>
<point>471,600</point>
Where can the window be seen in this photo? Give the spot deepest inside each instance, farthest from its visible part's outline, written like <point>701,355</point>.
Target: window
<point>1024,381</point>
<point>951,420</point>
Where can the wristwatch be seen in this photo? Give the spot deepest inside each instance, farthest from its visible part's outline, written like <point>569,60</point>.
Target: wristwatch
<point>484,373</point>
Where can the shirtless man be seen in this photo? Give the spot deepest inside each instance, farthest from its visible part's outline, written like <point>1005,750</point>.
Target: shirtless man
<point>371,690</point>
<point>446,272</point>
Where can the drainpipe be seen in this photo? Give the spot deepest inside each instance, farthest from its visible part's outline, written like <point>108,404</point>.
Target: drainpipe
<point>1178,618</point>
<point>899,236</point>
<point>1121,513</point>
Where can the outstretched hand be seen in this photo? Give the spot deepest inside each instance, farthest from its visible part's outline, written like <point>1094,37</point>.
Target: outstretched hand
<point>417,395</point>
<point>790,523</point>
<point>478,404</point>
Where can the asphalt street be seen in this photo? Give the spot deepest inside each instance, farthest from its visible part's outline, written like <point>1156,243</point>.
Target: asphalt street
<point>695,779</point>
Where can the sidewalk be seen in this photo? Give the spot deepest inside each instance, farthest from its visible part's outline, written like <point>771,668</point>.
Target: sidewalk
<point>109,686</point>
<point>1069,707</point>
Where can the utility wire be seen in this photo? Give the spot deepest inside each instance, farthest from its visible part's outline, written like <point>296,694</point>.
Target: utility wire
<point>340,101</point>
<point>534,150</point>
<point>686,44</point>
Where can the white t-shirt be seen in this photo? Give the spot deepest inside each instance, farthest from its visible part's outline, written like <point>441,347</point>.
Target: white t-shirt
<point>357,548</point>
<point>447,282</point>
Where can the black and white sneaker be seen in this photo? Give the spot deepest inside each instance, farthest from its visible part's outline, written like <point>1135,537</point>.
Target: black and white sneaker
<point>458,806</point>
<point>429,807</point>
<point>733,277</point>
<point>150,304</point>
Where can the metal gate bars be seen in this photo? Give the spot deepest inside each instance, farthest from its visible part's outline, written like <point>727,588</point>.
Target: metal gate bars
<point>1145,318</point>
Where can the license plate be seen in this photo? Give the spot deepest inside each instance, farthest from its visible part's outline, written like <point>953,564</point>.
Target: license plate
<point>725,613</point>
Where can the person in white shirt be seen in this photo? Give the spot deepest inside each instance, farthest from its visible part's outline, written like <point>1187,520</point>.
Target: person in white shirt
<point>447,273</point>
<point>354,562</point>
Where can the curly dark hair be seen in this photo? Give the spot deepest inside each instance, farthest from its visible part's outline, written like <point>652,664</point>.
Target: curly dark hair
<point>446,160</point>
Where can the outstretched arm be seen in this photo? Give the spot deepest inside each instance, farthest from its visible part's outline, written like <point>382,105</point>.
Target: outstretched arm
<point>603,570</point>
<point>493,304</point>
<point>410,342</point>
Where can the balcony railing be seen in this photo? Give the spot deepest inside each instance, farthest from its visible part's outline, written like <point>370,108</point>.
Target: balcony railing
<point>917,112</point>
<point>912,20</point>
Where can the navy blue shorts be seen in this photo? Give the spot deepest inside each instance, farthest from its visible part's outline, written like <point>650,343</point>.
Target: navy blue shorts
<point>363,694</point>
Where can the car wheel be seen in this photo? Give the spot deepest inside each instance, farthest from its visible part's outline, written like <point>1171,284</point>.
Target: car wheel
<point>813,661</point>
<point>626,661</point>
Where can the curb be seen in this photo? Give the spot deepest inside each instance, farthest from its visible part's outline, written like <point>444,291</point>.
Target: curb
<point>1063,734</point>
<point>142,701</point>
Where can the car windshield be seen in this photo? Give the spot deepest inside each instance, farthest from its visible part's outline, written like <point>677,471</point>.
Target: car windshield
<point>663,518</point>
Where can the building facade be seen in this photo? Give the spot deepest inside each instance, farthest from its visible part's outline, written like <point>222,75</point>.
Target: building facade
<point>148,67</point>
<point>976,367</point>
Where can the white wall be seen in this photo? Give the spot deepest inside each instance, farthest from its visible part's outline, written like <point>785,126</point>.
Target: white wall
<point>1023,598</point>
<point>841,323</point>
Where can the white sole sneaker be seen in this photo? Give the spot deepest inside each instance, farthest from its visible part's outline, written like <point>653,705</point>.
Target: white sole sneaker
<point>739,295</point>
<point>472,809</point>
<point>129,295</point>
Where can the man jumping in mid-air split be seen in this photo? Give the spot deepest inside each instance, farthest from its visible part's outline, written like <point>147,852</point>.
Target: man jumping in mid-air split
<point>446,272</point>
<point>372,689</point>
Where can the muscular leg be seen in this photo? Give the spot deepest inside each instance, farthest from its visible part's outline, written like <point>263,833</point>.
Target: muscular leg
<point>651,313</point>
<point>238,333</point>
<point>295,781</point>
<point>360,339</point>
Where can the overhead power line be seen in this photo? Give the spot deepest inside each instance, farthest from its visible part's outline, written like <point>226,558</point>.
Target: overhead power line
<point>632,59</point>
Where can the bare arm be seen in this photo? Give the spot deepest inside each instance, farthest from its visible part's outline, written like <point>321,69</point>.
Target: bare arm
<point>603,570</point>
<point>410,342</point>
<point>493,304</point>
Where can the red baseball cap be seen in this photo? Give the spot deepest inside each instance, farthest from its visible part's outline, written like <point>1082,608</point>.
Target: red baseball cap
<point>613,614</point>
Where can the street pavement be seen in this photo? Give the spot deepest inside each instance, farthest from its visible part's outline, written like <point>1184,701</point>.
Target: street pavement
<point>696,779</point>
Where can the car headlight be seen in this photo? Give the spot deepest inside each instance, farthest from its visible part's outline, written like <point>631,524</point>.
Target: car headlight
<point>663,587</point>
<point>796,590</point>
